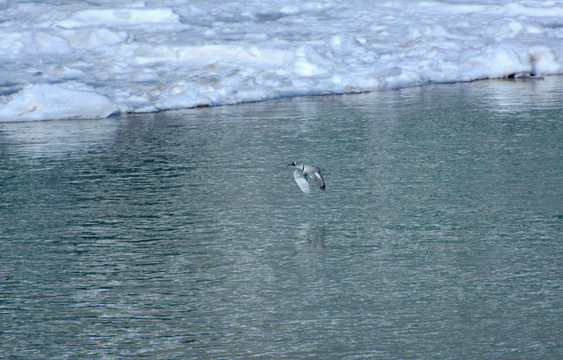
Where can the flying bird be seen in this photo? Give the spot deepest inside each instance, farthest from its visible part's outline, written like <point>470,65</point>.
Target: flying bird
<point>305,174</point>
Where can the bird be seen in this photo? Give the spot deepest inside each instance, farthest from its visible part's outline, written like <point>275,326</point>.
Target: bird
<point>306,173</point>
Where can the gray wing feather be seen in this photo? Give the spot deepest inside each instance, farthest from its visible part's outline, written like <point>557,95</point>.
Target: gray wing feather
<point>318,179</point>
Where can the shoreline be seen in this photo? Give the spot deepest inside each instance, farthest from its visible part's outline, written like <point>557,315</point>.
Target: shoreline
<point>207,106</point>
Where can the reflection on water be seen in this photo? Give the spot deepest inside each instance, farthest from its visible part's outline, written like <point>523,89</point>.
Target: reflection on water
<point>182,235</point>
<point>311,239</point>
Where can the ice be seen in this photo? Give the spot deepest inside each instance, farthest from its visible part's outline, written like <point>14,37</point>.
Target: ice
<point>49,101</point>
<point>118,17</point>
<point>69,59</point>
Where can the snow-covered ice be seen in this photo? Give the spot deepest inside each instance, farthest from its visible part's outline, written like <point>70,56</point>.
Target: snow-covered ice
<point>72,58</point>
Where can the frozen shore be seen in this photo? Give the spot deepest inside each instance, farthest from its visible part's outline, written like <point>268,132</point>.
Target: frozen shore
<point>75,59</point>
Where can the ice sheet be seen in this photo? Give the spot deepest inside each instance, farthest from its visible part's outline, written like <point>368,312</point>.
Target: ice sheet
<point>68,59</point>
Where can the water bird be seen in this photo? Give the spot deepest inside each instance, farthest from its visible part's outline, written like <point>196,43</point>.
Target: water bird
<point>305,174</point>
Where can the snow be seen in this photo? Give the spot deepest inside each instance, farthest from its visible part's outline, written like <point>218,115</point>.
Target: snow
<point>91,59</point>
<point>53,101</point>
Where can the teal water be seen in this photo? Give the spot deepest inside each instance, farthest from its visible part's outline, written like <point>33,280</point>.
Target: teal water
<point>180,234</point>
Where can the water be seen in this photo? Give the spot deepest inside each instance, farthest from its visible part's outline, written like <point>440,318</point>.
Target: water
<point>181,235</point>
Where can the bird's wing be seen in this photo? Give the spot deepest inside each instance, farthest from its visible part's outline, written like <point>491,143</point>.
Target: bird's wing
<point>302,181</point>
<point>318,179</point>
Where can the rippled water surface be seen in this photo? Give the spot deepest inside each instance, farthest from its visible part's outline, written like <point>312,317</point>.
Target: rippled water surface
<point>181,235</point>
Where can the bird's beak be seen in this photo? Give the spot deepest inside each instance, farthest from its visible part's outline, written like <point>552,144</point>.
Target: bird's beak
<point>288,165</point>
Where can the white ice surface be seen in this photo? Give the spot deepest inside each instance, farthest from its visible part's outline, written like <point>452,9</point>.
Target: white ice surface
<point>71,58</point>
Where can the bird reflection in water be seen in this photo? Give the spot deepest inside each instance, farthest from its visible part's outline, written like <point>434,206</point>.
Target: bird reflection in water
<point>311,238</point>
